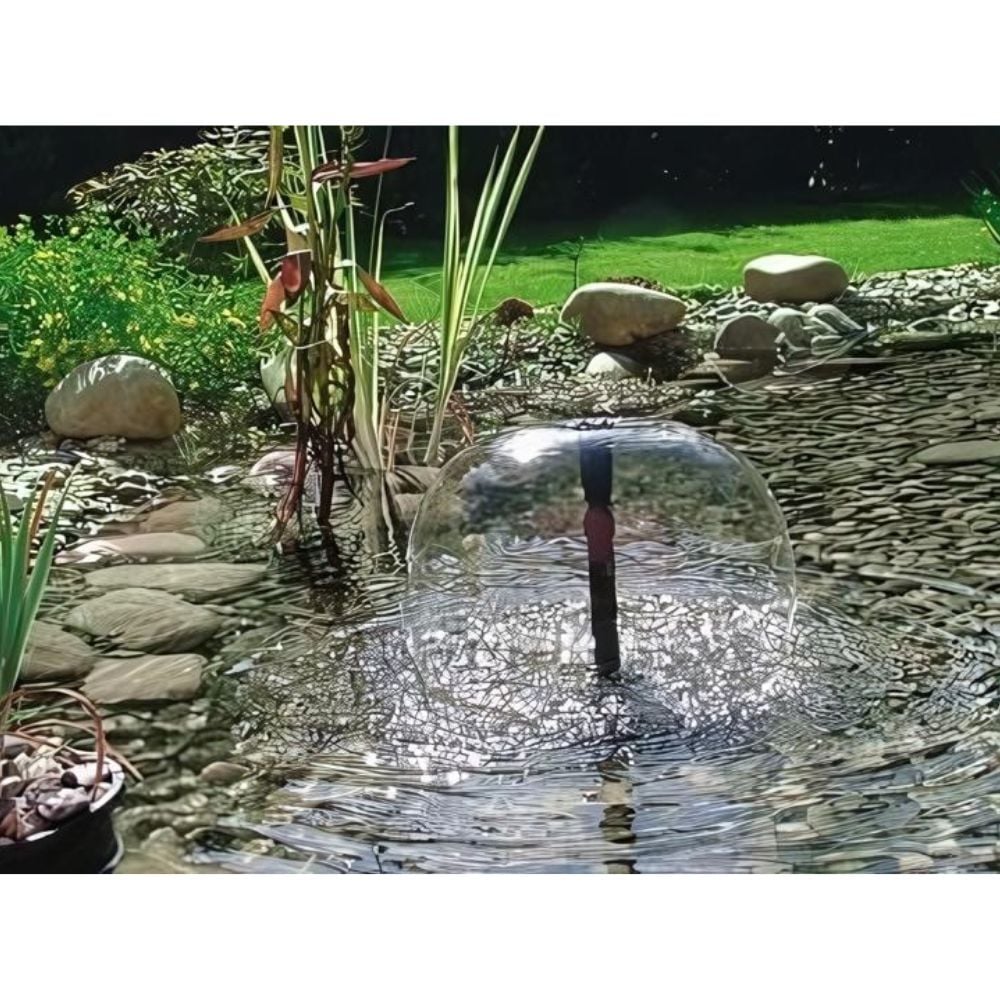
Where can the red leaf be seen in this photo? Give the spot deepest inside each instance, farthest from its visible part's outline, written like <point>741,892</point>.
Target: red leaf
<point>252,225</point>
<point>334,170</point>
<point>380,295</point>
<point>295,269</point>
<point>273,298</point>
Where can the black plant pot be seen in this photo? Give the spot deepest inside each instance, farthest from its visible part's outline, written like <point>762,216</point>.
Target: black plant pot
<point>84,845</point>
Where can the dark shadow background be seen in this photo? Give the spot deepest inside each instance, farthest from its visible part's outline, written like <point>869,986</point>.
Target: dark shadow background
<point>583,172</point>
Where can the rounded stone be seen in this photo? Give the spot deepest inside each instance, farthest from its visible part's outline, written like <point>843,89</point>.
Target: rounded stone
<point>118,394</point>
<point>747,338</point>
<point>147,620</point>
<point>151,546</point>
<point>796,278</point>
<point>14,503</point>
<point>833,318</point>
<point>197,581</point>
<point>614,367</point>
<point>223,772</point>
<point>188,516</point>
<point>615,315</point>
<point>145,678</point>
<point>54,654</point>
<point>959,452</point>
<point>792,324</point>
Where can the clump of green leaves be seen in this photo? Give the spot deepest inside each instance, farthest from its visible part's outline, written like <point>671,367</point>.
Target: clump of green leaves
<point>986,202</point>
<point>22,582</point>
<point>74,293</point>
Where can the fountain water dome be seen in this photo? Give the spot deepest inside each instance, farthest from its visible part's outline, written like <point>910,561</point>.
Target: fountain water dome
<point>634,549</point>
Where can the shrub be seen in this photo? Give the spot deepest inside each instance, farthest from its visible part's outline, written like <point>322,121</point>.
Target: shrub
<point>76,293</point>
<point>175,195</point>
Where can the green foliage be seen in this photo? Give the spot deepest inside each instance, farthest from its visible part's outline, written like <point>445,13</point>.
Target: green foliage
<point>21,583</point>
<point>986,203</point>
<point>710,251</point>
<point>78,293</point>
<point>175,195</point>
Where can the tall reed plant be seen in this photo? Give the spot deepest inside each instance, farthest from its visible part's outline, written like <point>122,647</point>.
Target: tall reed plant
<point>465,272</point>
<point>324,304</point>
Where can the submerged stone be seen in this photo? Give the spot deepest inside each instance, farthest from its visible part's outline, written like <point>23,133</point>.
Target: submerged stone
<point>147,620</point>
<point>200,581</point>
<point>613,366</point>
<point>145,678</point>
<point>747,338</point>
<point>54,654</point>
<point>146,546</point>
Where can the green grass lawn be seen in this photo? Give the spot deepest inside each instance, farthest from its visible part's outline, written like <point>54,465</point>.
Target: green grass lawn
<point>680,252</point>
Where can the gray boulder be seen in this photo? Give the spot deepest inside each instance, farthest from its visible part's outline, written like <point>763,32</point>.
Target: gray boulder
<point>959,452</point>
<point>786,277</point>
<point>615,315</point>
<point>199,581</point>
<point>150,546</point>
<point>119,395</point>
<point>747,338</point>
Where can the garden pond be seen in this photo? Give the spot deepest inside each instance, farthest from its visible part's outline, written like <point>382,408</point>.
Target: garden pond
<point>332,726</point>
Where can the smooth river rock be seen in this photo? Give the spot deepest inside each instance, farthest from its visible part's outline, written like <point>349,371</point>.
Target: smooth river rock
<point>223,772</point>
<point>14,502</point>
<point>830,316</point>
<point>147,546</point>
<point>614,367</point>
<point>959,452</point>
<point>54,654</point>
<point>615,315</point>
<point>747,338</point>
<point>200,581</point>
<point>119,395</point>
<point>145,678</point>
<point>796,278</point>
<point>152,621</point>
<point>194,517</point>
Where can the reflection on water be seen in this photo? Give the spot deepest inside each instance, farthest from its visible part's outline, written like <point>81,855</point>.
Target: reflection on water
<point>442,770</point>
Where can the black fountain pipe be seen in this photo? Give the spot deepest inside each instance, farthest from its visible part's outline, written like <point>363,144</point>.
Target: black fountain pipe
<point>596,466</point>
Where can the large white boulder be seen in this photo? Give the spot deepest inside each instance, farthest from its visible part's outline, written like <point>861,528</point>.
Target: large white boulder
<point>788,277</point>
<point>616,315</point>
<point>118,395</point>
